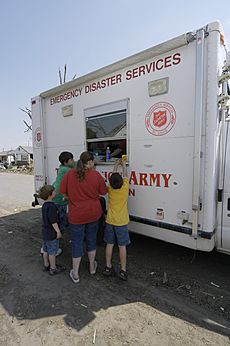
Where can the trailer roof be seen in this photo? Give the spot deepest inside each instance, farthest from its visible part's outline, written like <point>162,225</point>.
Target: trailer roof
<point>161,48</point>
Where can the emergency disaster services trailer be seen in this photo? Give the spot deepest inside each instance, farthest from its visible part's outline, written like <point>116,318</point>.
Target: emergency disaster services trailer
<point>166,108</point>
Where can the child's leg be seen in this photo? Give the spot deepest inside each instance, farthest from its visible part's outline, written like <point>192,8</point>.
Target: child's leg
<point>108,255</point>
<point>45,255</point>
<point>52,247</point>
<point>46,259</point>
<point>109,238</point>
<point>52,261</point>
<point>122,255</point>
<point>123,240</point>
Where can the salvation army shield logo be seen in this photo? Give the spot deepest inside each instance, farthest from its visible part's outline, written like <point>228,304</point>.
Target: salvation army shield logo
<point>160,118</point>
<point>37,137</point>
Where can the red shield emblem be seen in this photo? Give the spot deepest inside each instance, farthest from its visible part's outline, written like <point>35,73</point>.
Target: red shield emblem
<point>39,137</point>
<point>159,118</point>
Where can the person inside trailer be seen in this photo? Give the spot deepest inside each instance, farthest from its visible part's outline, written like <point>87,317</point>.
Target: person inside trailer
<point>119,149</point>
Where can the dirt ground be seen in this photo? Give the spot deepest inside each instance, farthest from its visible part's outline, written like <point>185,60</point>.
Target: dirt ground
<point>174,296</point>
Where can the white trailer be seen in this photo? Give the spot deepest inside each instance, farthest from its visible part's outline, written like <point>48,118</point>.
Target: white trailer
<point>167,107</point>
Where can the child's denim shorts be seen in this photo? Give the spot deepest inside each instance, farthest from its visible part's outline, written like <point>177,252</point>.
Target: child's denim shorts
<point>81,232</point>
<point>50,246</point>
<point>119,234</point>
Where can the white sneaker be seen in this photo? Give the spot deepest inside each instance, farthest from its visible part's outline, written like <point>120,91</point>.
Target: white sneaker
<point>59,251</point>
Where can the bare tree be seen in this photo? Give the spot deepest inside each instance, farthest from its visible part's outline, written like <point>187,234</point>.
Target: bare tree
<point>63,80</point>
<point>28,111</point>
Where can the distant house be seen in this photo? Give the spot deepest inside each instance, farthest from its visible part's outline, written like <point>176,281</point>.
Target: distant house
<point>4,156</point>
<point>21,155</point>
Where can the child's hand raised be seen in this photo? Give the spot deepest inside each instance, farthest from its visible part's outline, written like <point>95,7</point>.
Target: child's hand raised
<point>118,162</point>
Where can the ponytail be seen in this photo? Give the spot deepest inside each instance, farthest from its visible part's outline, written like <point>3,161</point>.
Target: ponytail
<point>81,169</point>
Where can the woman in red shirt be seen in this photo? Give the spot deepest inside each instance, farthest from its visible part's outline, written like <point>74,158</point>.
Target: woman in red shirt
<point>83,186</point>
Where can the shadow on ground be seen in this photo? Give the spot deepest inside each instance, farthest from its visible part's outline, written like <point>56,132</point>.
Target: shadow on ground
<point>174,280</point>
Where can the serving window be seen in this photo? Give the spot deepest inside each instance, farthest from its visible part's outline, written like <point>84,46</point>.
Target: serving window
<point>106,128</point>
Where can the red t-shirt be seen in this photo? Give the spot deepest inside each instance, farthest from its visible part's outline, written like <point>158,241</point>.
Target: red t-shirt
<point>83,196</point>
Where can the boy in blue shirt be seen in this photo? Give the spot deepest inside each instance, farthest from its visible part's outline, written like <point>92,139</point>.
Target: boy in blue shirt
<point>50,230</point>
<point>66,163</point>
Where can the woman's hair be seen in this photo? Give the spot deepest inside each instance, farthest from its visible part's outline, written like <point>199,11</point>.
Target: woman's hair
<point>85,157</point>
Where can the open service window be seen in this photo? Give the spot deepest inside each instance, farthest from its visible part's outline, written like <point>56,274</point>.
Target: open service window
<point>106,130</point>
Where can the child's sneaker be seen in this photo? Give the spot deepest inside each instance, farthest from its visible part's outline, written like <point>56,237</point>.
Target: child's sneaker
<point>59,269</point>
<point>123,275</point>
<point>109,271</point>
<point>46,269</point>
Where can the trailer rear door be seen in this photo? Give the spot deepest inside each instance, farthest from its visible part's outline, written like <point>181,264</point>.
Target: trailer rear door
<point>225,225</point>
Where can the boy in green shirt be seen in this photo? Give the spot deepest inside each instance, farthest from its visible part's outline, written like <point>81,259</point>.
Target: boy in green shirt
<point>66,163</point>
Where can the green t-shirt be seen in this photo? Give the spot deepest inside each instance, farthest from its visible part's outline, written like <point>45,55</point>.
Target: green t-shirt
<point>62,170</point>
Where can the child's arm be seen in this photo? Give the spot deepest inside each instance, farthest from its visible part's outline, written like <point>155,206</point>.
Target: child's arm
<point>63,185</point>
<point>57,230</point>
<point>65,197</point>
<point>117,163</point>
<point>124,168</point>
<point>61,172</point>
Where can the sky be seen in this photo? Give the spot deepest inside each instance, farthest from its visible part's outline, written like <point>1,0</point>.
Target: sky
<point>39,37</point>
